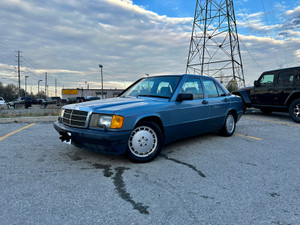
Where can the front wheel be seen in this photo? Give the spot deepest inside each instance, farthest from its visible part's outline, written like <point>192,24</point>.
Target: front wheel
<point>229,125</point>
<point>145,142</point>
<point>294,110</point>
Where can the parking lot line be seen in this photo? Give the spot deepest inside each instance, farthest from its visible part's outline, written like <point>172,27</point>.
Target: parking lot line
<point>272,121</point>
<point>16,131</point>
<point>247,136</point>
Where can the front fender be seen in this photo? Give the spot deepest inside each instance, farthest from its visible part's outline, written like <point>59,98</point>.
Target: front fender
<point>244,95</point>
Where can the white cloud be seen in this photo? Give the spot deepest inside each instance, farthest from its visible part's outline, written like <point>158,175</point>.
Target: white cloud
<point>297,53</point>
<point>68,39</point>
<point>295,11</point>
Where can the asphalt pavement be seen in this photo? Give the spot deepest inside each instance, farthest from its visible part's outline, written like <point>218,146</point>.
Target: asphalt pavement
<point>249,178</point>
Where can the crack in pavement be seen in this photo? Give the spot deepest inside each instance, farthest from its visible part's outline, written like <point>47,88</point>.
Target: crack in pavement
<point>183,163</point>
<point>120,186</point>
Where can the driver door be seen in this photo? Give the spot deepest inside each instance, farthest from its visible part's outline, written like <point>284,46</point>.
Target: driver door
<point>263,92</point>
<point>189,117</point>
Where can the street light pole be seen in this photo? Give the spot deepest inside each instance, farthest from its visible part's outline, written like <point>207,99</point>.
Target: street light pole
<point>39,87</point>
<point>26,85</point>
<point>101,67</point>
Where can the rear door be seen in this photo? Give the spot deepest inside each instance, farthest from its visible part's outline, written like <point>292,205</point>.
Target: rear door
<point>284,86</point>
<point>218,103</point>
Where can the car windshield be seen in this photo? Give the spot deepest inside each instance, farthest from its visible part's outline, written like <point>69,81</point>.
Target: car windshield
<point>160,87</point>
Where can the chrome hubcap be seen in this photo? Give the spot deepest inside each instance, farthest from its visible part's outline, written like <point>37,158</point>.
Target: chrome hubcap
<point>142,141</point>
<point>230,123</point>
<point>297,110</point>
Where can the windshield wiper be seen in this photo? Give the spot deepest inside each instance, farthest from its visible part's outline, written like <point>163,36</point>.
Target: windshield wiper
<point>155,96</point>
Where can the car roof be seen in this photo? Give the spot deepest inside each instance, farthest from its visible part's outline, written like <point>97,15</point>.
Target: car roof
<point>182,75</point>
<point>289,68</point>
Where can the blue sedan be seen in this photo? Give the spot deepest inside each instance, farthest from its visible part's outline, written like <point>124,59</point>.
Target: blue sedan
<point>152,112</point>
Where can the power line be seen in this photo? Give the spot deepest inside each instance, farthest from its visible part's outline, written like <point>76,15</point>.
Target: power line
<point>267,21</point>
<point>250,54</point>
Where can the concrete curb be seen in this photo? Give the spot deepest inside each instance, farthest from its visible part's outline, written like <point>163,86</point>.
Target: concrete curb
<point>28,119</point>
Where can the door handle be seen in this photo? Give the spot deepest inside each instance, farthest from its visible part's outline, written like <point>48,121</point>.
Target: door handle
<point>226,100</point>
<point>204,102</point>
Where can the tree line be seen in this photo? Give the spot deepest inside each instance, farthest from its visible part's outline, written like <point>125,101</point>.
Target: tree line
<point>10,93</point>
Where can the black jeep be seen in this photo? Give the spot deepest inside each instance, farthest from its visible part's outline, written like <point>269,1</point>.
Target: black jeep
<point>276,90</point>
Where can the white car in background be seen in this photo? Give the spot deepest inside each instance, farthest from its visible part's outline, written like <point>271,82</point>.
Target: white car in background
<point>2,102</point>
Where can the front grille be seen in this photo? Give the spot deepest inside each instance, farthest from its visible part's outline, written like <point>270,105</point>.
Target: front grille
<point>75,118</point>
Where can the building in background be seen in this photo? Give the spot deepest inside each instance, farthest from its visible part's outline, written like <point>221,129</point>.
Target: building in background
<point>80,92</point>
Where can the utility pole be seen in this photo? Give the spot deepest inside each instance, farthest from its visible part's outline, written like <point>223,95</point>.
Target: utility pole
<point>46,84</point>
<point>55,87</point>
<point>39,87</point>
<point>214,48</point>
<point>101,67</point>
<point>19,75</point>
<point>26,85</point>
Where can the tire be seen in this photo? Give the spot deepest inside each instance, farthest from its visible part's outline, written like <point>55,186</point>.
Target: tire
<point>294,110</point>
<point>229,125</point>
<point>145,142</point>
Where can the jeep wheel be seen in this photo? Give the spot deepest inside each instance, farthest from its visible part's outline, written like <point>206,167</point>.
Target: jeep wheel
<point>145,142</point>
<point>294,110</point>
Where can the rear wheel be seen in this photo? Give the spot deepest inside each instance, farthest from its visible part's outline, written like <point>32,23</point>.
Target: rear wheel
<point>294,110</point>
<point>229,125</point>
<point>145,142</point>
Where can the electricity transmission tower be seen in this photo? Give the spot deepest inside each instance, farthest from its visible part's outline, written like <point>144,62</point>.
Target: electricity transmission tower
<point>214,48</point>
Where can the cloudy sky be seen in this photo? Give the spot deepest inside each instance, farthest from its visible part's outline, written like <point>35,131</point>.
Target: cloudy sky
<point>130,38</point>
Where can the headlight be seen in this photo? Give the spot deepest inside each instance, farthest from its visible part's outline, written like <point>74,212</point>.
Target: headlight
<point>105,120</point>
<point>108,121</point>
<point>61,113</point>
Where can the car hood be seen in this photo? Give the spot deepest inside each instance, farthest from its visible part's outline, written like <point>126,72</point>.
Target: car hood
<point>121,104</point>
<point>246,88</point>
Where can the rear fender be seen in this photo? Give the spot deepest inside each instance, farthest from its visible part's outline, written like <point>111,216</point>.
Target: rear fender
<point>294,95</point>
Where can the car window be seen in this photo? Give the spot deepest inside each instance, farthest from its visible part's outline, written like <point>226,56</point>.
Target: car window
<point>297,79</point>
<point>164,89</point>
<point>286,77</point>
<point>210,88</point>
<point>192,86</point>
<point>267,79</point>
<point>144,87</point>
<point>220,91</point>
<point>161,87</point>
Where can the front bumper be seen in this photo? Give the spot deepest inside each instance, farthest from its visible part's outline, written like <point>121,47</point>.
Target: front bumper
<point>96,140</point>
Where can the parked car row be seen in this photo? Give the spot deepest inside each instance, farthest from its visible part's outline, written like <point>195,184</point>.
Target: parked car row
<point>23,101</point>
<point>81,99</point>
<point>28,101</point>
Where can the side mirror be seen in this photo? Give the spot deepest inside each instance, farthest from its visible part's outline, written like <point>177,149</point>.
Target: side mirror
<point>256,83</point>
<point>183,97</point>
